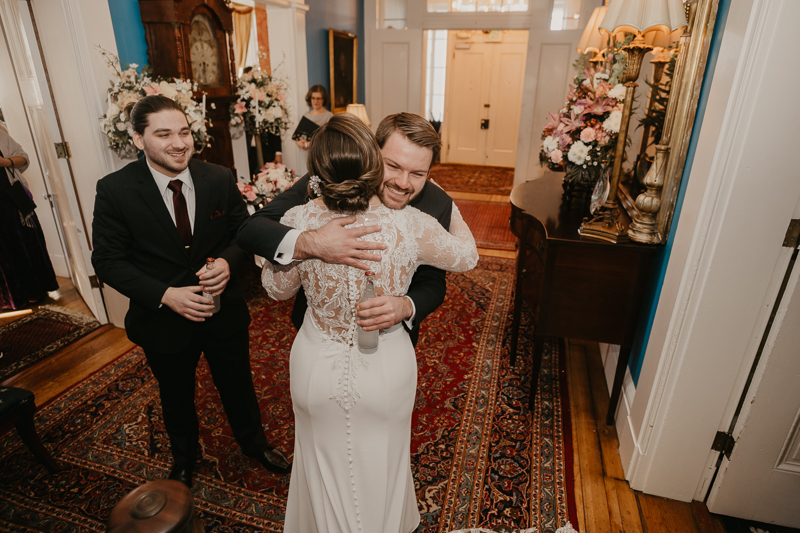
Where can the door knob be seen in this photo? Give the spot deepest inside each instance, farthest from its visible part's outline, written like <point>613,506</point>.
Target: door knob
<point>484,123</point>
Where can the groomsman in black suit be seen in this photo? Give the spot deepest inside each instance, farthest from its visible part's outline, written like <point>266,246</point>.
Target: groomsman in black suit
<point>155,223</point>
<point>409,145</point>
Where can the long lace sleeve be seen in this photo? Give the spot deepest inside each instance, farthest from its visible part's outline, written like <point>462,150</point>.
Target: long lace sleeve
<point>454,251</point>
<point>283,281</point>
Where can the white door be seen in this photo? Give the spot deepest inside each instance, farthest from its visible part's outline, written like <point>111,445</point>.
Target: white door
<point>761,480</point>
<point>35,98</point>
<point>394,69</point>
<point>468,103</point>
<point>484,97</point>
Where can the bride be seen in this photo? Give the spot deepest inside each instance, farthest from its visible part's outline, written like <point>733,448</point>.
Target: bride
<point>352,407</point>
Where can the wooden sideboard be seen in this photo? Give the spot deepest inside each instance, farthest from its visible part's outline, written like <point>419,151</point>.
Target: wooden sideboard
<point>575,287</point>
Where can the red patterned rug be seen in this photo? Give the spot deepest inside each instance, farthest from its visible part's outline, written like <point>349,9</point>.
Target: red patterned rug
<point>39,334</point>
<point>480,457</point>
<point>473,178</point>
<point>488,222</point>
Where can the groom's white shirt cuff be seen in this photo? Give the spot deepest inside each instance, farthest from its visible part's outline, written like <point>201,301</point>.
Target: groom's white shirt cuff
<point>410,320</point>
<point>285,252</point>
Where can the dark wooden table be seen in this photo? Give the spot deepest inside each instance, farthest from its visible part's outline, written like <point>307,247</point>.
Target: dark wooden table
<point>575,287</point>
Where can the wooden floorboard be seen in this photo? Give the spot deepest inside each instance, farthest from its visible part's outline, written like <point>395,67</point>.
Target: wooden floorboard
<point>595,499</point>
<point>609,443</point>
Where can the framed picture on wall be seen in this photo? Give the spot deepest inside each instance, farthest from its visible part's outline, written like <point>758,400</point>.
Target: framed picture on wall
<point>343,50</point>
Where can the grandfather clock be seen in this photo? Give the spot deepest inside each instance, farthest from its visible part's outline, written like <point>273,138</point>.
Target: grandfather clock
<point>193,39</point>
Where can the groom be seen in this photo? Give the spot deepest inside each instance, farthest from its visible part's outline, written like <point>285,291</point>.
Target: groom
<point>409,145</point>
<point>155,223</point>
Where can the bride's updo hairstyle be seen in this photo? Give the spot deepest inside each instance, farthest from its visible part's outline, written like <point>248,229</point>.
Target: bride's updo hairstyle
<point>345,156</point>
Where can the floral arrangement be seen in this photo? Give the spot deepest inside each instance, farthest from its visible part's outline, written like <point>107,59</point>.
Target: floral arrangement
<point>260,106</point>
<point>271,180</point>
<point>583,135</point>
<point>128,86</point>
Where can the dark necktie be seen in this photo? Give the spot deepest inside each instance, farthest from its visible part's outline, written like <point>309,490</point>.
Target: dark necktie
<point>181,212</point>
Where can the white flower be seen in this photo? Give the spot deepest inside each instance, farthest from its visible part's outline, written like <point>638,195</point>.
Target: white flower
<point>112,111</point>
<point>121,126</point>
<point>578,153</point>
<point>549,144</point>
<point>599,76</point>
<point>168,89</point>
<point>613,122</point>
<point>617,92</point>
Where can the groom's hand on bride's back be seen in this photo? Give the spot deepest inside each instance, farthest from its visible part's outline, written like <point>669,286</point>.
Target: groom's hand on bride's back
<point>334,243</point>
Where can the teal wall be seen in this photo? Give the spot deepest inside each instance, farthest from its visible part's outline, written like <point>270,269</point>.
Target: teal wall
<point>345,15</point>
<point>661,260</point>
<point>128,32</point>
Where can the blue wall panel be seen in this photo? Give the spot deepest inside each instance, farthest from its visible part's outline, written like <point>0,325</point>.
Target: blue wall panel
<point>128,32</point>
<point>345,15</point>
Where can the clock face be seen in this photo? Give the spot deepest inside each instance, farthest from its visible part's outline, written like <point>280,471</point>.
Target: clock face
<point>204,52</point>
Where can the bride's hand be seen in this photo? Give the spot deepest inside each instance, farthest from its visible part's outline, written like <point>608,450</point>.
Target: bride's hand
<point>386,311</point>
<point>333,243</point>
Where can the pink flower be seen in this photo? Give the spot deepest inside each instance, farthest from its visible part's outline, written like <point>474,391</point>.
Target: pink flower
<point>239,108</point>
<point>587,135</point>
<point>248,192</point>
<point>556,156</point>
<point>152,88</point>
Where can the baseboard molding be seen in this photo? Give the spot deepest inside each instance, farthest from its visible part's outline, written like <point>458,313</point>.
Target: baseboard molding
<point>625,433</point>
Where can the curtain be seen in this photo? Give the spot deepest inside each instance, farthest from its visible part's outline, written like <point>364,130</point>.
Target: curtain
<point>242,25</point>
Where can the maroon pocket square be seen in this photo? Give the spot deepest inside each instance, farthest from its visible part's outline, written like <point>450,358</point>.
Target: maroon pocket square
<point>218,213</point>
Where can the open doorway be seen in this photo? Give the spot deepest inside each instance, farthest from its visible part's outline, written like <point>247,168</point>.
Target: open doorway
<point>32,118</point>
<point>473,87</point>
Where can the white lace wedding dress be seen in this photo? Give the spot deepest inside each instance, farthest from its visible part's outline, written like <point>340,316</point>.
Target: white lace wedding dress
<point>352,470</point>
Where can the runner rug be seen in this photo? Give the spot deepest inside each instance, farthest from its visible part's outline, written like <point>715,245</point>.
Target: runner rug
<point>39,334</point>
<point>473,178</point>
<point>480,457</point>
<point>488,222</point>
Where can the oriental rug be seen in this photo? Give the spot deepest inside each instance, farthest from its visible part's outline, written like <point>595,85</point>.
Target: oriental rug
<point>488,222</point>
<point>473,178</point>
<point>39,334</point>
<point>480,457</point>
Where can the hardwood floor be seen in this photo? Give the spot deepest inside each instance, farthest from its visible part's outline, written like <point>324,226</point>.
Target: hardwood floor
<point>55,374</point>
<point>604,500</point>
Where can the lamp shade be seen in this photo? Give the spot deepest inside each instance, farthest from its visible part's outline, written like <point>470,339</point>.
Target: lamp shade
<point>360,111</point>
<point>643,16</point>
<point>592,40</point>
<point>664,40</point>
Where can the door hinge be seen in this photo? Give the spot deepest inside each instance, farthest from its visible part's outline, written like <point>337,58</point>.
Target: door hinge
<point>63,151</point>
<point>723,443</point>
<point>95,282</point>
<point>792,238</point>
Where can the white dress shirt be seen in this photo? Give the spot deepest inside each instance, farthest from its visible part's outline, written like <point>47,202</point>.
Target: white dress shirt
<point>162,181</point>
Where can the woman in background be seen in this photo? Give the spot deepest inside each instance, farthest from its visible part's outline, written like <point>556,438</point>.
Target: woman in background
<point>317,99</point>
<point>26,273</point>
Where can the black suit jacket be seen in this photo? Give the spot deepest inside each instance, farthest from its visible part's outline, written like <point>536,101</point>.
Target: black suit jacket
<point>262,233</point>
<point>138,251</point>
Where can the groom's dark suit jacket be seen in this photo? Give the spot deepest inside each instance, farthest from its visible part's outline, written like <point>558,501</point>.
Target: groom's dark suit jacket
<point>262,233</point>
<point>138,251</point>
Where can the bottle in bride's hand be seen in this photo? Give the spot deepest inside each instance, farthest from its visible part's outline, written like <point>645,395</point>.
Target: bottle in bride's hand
<point>210,266</point>
<point>368,340</point>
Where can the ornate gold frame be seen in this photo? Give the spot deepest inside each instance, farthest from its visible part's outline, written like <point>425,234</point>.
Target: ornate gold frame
<point>342,43</point>
<point>651,212</point>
